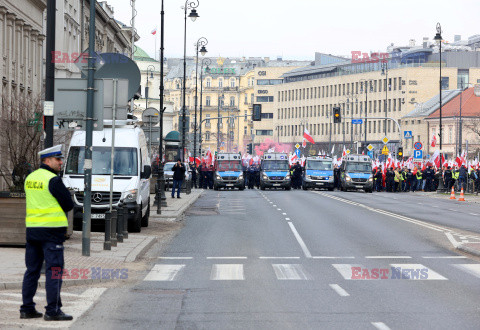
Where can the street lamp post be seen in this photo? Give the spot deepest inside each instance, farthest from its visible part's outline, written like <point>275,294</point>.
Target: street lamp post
<point>152,70</point>
<point>438,38</point>
<point>202,42</point>
<point>460,122</point>
<point>160,193</point>
<point>189,4</point>
<point>207,62</point>
<point>343,121</point>
<point>366,83</point>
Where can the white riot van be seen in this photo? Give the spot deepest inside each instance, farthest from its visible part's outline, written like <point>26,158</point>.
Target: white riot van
<point>132,170</point>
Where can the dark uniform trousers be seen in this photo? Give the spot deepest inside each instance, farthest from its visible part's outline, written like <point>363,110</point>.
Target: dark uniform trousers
<point>35,253</point>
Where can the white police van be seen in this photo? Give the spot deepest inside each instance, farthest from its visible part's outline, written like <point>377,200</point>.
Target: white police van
<point>132,171</point>
<point>318,173</point>
<point>356,173</point>
<point>275,171</point>
<point>228,171</point>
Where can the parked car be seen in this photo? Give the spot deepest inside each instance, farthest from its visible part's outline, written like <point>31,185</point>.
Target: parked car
<point>168,173</point>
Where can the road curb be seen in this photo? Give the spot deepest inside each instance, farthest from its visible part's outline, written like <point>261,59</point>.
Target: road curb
<point>180,212</point>
<point>65,283</point>
<point>467,249</point>
<point>141,249</point>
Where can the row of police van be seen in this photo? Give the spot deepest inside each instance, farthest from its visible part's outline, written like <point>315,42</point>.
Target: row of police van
<point>318,172</point>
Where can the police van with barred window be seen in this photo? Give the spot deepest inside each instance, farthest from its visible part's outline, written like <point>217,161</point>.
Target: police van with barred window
<point>356,173</point>
<point>318,173</point>
<point>228,171</point>
<point>275,171</point>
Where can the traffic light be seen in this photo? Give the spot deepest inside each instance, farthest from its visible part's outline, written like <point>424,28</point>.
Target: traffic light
<point>250,148</point>
<point>337,116</point>
<point>257,112</point>
<point>400,153</point>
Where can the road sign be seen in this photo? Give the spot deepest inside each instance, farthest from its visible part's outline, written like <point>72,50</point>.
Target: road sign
<point>357,121</point>
<point>297,152</point>
<point>370,147</point>
<point>297,146</point>
<point>348,151</point>
<point>385,150</point>
<point>385,140</point>
<point>418,154</point>
<point>407,134</point>
<point>370,154</point>
<point>418,146</point>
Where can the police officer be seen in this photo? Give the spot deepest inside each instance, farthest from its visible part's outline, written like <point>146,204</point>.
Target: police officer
<point>390,179</point>
<point>210,174</point>
<point>429,176</point>
<point>409,186</point>
<point>419,177</point>
<point>447,177</point>
<point>297,176</point>
<point>193,168</point>
<point>47,202</point>
<point>201,174</point>
<point>336,177</point>
<point>378,179</point>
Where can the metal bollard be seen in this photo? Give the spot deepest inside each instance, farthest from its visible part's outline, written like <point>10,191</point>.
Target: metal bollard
<point>107,245</point>
<point>119,228</point>
<point>113,230</point>
<point>124,220</point>
<point>188,187</point>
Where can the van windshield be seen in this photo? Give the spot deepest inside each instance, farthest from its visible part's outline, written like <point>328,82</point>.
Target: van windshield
<point>319,165</point>
<point>124,162</point>
<point>359,167</point>
<point>229,165</point>
<point>275,165</point>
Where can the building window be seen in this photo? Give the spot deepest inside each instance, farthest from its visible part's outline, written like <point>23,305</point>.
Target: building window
<point>264,132</point>
<point>246,114</point>
<point>252,98</point>
<point>220,82</point>
<point>207,121</point>
<point>265,82</point>
<point>264,98</point>
<point>209,82</point>
<point>207,136</point>
<point>232,101</point>
<point>245,130</point>
<point>267,115</point>
<point>445,82</point>
<point>207,101</point>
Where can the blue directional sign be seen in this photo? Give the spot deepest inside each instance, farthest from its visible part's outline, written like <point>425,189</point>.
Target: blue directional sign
<point>418,154</point>
<point>407,134</point>
<point>357,121</point>
<point>370,154</point>
<point>297,152</point>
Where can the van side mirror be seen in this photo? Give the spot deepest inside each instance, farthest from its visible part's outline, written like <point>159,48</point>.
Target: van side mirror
<point>147,171</point>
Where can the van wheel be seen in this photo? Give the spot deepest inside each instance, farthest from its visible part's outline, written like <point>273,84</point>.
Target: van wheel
<point>288,188</point>
<point>147,215</point>
<point>135,225</point>
<point>262,187</point>
<point>330,189</point>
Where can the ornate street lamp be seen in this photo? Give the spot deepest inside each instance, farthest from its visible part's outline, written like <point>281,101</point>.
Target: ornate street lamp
<point>438,38</point>
<point>150,68</point>
<point>202,42</point>
<point>205,61</point>
<point>189,4</point>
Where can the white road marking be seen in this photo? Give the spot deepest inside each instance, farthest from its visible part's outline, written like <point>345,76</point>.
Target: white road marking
<point>328,257</point>
<point>161,272</point>
<point>176,258</point>
<point>452,240</point>
<point>472,269</point>
<point>432,275</point>
<point>345,270</point>
<point>227,258</point>
<point>380,325</point>
<point>420,203</point>
<point>227,272</point>
<point>284,214</point>
<point>279,209</point>
<point>288,219</point>
<point>300,241</point>
<point>278,257</point>
<point>388,257</point>
<point>473,213</point>
<point>274,205</point>
<point>453,210</point>
<point>446,257</point>
<point>289,272</point>
<point>338,289</point>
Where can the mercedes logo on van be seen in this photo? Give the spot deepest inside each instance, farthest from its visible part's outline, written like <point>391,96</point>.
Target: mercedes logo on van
<point>97,197</point>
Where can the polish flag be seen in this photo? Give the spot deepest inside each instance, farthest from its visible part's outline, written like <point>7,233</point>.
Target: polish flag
<point>434,141</point>
<point>209,158</point>
<point>304,143</point>
<point>307,136</point>
<point>154,31</point>
<point>344,153</point>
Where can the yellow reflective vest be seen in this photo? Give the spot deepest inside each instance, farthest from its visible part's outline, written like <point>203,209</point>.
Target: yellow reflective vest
<point>43,210</point>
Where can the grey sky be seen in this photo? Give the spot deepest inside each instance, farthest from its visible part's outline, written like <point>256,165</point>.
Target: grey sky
<point>296,29</point>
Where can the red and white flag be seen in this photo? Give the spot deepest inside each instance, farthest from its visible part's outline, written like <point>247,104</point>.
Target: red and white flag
<point>304,143</point>
<point>344,153</point>
<point>307,136</point>
<point>154,31</point>
<point>434,141</point>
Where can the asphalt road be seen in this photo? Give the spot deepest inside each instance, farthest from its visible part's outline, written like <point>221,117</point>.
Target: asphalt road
<point>306,260</point>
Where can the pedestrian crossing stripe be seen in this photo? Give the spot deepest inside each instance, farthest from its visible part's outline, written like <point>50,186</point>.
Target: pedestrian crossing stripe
<point>235,272</point>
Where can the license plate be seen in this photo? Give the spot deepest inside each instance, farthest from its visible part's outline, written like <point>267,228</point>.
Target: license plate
<point>320,183</point>
<point>98,215</point>
<point>358,186</point>
<point>229,185</point>
<point>276,184</point>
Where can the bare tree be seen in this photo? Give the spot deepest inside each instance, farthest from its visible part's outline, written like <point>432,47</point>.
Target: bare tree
<point>20,137</point>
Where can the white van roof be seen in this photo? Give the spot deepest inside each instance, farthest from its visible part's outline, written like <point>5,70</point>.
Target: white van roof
<point>124,137</point>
